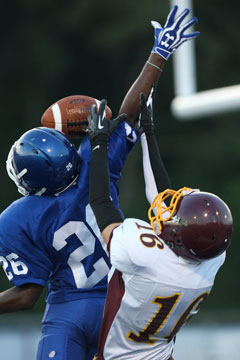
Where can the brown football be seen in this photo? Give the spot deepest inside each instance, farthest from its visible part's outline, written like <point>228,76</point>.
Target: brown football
<point>70,113</point>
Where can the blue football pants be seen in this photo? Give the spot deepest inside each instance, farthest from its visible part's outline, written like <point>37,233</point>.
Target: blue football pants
<point>70,330</point>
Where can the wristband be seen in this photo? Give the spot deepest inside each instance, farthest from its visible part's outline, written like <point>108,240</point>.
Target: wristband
<point>157,67</point>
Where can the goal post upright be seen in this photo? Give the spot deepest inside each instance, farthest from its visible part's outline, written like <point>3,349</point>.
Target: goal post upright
<point>188,104</point>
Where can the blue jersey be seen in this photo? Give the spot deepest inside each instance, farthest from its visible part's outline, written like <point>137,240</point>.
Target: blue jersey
<point>55,239</point>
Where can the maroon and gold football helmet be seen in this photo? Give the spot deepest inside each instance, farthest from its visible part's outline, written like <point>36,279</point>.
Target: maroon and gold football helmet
<point>196,225</point>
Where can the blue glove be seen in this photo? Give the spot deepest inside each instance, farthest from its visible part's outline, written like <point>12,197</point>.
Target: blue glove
<point>171,36</point>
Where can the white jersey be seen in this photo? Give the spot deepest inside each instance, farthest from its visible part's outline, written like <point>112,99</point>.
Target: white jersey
<point>152,293</point>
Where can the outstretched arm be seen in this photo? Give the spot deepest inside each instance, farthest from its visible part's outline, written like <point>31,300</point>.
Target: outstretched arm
<point>99,130</point>
<point>155,174</point>
<point>166,40</point>
<point>144,82</point>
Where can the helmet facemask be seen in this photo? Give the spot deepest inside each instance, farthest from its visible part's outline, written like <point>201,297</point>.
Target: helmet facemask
<point>17,178</point>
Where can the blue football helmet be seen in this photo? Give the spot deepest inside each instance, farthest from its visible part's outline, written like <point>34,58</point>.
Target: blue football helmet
<point>43,161</point>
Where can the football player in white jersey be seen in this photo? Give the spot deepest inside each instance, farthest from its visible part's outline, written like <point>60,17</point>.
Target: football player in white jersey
<point>163,271</point>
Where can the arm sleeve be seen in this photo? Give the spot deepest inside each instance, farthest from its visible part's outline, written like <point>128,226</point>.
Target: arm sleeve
<point>155,175</point>
<point>104,210</point>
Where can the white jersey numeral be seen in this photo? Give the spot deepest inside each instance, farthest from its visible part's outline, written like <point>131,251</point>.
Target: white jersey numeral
<point>87,239</point>
<point>18,267</point>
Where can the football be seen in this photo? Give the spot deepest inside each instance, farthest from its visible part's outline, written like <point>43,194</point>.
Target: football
<point>69,114</point>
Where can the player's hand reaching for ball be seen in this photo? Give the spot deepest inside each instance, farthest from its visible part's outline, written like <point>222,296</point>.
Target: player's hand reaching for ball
<point>146,118</point>
<point>99,127</point>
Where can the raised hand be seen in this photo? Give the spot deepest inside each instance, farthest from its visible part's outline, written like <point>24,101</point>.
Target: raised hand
<point>99,124</point>
<point>146,118</point>
<point>171,36</point>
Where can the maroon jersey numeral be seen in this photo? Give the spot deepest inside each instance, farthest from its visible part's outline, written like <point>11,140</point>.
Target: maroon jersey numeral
<point>188,313</point>
<point>167,305</point>
<point>149,240</point>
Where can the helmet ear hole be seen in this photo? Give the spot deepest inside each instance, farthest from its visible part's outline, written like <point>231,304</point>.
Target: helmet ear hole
<point>178,242</point>
<point>173,233</point>
<point>175,237</point>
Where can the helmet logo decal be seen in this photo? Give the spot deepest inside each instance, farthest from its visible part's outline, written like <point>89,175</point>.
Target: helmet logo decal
<point>69,166</point>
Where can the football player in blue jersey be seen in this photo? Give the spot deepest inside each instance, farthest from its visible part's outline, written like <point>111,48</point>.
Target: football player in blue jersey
<point>50,236</point>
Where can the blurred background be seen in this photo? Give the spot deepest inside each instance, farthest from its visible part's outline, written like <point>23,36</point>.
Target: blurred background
<point>53,49</point>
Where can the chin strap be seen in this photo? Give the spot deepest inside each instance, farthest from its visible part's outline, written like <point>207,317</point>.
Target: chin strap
<point>159,211</point>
